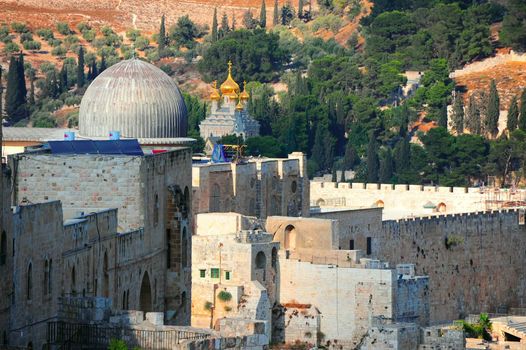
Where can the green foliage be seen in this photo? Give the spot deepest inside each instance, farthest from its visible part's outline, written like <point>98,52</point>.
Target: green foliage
<point>116,344</point>
<point>184,32</point>
<point>161,39</point>
<point>59,51</point>
<point>224,296</point>
<point>493,111</point>
<point>287,14</point>
<point>89,35</point>
<point>329,22</point>
<point>275,14</point>
<point>32,45</point>
<point>11,47</point>
<point>16,92</point>
<point>522,111</point>
<point>18,27</point>
<point>83,27</point>
<point>266,146</point>
<point>26,37</point>
<point>63,28</point>
<point>458,114</point>
<point>513,31</point>
<point>257,56</point>
<point>214,26</point>
<point>263,15</point>
<point>513,115</point>
<point>208,306</point>
<point>45,33</point>
<point>80,69</point>
<point>43,120</point>
<point>373,162</point>
<point>480,329</point>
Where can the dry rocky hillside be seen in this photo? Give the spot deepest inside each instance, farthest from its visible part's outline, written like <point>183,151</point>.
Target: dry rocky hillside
<point>123,14</point>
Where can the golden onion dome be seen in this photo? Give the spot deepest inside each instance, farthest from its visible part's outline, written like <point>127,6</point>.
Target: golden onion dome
<point>239,106</point>
<point>229,86</point>
<point>214,96</point>
<point>244,95</point>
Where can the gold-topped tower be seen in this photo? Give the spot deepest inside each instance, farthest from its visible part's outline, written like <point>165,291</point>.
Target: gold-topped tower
<point>244,96</point>
<point>214,96</point>
<point>229,86</point>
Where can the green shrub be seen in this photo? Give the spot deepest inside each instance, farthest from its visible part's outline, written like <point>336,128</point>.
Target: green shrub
<point>167,69</point>
<point>107,31</point>
<point>73,119</point>
<point>43,120</point>
<point>142,43</point>
<point>8,39</point>
<point>54,42</point>
<point>224,295</point>
<point>83,27</point>
<point>89,35</point>
<point>47,67</point>
<point>11,47</point>
<point>45,33</point>
<point>116,344</point>
<point>4,31</point>
<point>19,27</point>
<point>26,37</point>
<point>133,34</point>
<point>59,51</point>
<point>330,22</point>
<point>70,40</point>
<point>52,105</point>
<point>32,45</point>
<point>63,28</point>
<point>72,100</point>
<point>208,305</point>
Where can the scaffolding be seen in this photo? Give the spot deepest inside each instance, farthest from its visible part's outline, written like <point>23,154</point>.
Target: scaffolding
<point>496,198</point>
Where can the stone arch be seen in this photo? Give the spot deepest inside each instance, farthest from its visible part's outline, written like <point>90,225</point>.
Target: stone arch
<point>145,297</point>
<point>290,237</point>
<point>29,282</point>
<point>105,277</point>
<point>261,260</point>
<point>274,258</point>
<point>184,248</point>
<point>320,202</point>
<point>441,207</point>
<point>215,199</point>
<point>3,248</point>
<point>380,203</point>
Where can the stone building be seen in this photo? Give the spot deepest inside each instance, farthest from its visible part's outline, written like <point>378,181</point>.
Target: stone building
<point>152,194</point>
<point>228,117</point>
<point>258,187</point>
<point>234,270</point>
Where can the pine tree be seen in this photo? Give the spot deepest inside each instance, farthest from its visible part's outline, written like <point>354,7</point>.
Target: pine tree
<point>513,115</point>
<point>94,71</point>
<point>458,115</point>
<point>473,123</point>
<point>522,118</point>
<point>300,9</point>
<point>493,111</point>
<point>372,160</point>
<point>80,69</point>
<point>442,116</point>
<point>275,18</point>
<point>386,167</point>
<point>161,41</point>
<point>214,26</point>
<point>263,15</point>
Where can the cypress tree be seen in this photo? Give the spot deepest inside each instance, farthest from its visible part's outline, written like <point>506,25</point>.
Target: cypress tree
<point>263,15</point>
<point>318,152</point>
<point>94,70</point>
<point>458,115</point>
<point>161,41</point>
<point>350,159</point>
<point>372,160</point>
<point>386,167</point>
<point>214,26</point>
<point>275,18</point>
<point>522,118</point>
<point>63,80</point>
<point>32,87</point>
<point>493,111</point>
<point>513,115</point>
<point>233,21</point>
<point>15,99</point>
<point>473,117</point>
<point>102,67</point>
<point>22,78</point>
<point>402,155</point>
<point>300,9</point>
<point>442,116</point>
<point>334,175</point>
<point>80,69</point>
<point>224,25</point>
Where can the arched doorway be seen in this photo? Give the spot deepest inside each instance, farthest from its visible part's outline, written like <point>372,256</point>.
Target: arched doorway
<point>441,208</point>
<point>320,202</point>
<point>290,237</point>
<point>145,298</point>
<point>380,203</point>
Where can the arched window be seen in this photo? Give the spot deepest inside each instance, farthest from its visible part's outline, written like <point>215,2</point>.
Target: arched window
<point>3,248</point>
<point>261,260</point>
<point>29,287</point>
<point>442,208</point>
<point>215,199</point>
<point>290,237</point>
<point>184,249</point>
<point>380,203</point>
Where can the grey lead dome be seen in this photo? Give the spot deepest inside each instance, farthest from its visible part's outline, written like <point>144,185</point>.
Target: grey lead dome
<point>135,98</point>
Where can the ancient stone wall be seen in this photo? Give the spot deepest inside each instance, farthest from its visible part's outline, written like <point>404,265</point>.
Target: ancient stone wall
<point>6,255</point>
<point>474,261</point>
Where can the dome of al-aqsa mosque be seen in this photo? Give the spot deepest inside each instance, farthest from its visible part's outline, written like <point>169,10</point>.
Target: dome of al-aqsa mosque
<point>135,98</point>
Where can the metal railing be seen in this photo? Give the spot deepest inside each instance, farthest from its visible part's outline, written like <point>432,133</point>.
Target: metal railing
<point>97,336</point>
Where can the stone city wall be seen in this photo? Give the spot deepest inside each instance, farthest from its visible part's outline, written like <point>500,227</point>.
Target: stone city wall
<point>474,261</point>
